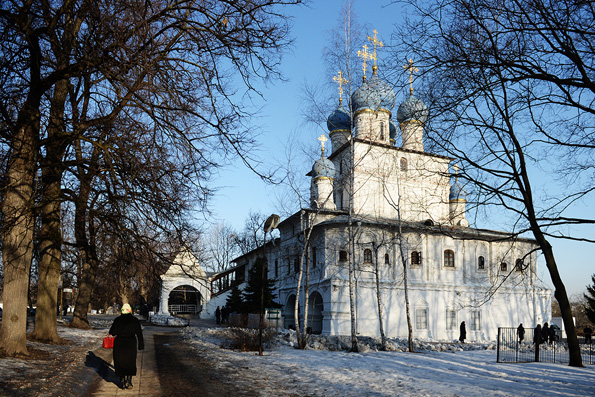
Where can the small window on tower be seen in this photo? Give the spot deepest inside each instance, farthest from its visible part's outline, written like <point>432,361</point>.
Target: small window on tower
<point>481,263</point>
<point>386,259</point>
<point>503,267</point>
<point>415,258</point>
<point>367,256</point>
<point>519,265</point>
<point>403,164</point>
<point>342,256</point>
<point>382,131</point>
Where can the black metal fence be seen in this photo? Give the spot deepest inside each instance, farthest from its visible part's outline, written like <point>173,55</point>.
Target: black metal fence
<point>513,350</point>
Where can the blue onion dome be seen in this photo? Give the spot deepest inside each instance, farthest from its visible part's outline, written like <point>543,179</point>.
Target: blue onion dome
<point>386,94</point>
<point>365,98</point>
<point>323,167</point>
<point>373,94</point>
<point>339,120</point>
<point>457,192</point>
<point>392,128</point>
<point>412,109</point>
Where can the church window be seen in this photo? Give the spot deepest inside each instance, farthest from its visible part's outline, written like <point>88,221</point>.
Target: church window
<point>518,265</point>
<point>382,131</point>
<point>296,264</point>
<point>367,256</point>
<point>451,319</point>
<point>481,263</point>
<point>288,267</point>
<point>386,259</point>
<point>403,164</point>
<point>449,258</point>
<point>342,256</point>
<point>276,268</point>
<point>313,257</point>
<point>503,267</point>
<point>475,320</point>
<point>415,258</point>
<point>421,318</point>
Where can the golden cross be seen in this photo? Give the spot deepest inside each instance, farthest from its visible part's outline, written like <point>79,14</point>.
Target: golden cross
<point>322,140</point>
<point>376,42</point>
<point>365,55</point>
<point>411,69</point>
<point>340,80</point>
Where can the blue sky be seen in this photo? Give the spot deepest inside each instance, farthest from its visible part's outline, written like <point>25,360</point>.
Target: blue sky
<point>241,191</point>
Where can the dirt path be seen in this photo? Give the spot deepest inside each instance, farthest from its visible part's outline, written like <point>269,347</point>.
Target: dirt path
<point>189,371</point>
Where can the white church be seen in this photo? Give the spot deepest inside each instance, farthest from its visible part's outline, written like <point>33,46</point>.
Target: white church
<point>383,204</point>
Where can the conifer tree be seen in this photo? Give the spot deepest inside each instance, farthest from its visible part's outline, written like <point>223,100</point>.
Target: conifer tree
<point>252,291</point>
<point>590,297</point>
<point>235,301</point>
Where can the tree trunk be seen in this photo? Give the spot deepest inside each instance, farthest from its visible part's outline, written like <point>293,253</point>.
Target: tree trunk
<point>305,258</point>
<point>354,346</point>
<point>574,352</point>
<point>88,256</point>
<point>379,300</point>
<point>50,235</point>
<point>17,233</point>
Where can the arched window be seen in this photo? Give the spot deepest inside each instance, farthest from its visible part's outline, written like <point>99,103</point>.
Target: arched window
<point>314,259</point>
<point>481,263</point>
<point>382,131</point>
<point>367,256</point>
<point>503,267</point>
<point>518,266</point>
<point>415,258</point>
<point>386,259</point>
<point>342,256</point>
<point>403,163</point>
<point>449,258</point>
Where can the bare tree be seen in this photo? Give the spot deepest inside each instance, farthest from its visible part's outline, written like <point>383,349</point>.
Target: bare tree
<point>511,90</point>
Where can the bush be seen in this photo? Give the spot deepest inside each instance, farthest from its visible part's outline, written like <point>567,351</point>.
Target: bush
<point>246,340</point>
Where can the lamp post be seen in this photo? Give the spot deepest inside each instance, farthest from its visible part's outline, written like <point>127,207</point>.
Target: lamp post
<point>271,223</point>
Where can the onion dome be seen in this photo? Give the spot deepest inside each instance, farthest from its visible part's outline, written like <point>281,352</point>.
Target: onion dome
<point>339,120</point>
<point>373,94</point>
<point>392,127</point>
<point>457,192</point>
<point>323,167</point>
<point>412,109</point>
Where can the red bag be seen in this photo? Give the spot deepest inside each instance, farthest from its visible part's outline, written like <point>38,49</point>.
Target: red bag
<point>108,342</point>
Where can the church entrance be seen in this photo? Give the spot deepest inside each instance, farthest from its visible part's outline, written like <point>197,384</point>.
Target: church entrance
<point>184,299</point>
<point>315,308</point>
<point>288,313</point>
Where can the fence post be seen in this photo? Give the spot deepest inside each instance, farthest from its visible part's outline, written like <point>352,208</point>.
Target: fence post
<point>498,346</point>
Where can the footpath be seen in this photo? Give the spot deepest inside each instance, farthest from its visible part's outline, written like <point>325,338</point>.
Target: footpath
<point>146,381</point>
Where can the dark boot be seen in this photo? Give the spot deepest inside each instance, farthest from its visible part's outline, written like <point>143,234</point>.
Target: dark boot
<point>123,382</point>
<point>130,382</point>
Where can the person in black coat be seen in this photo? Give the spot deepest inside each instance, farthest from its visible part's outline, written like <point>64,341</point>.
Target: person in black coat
<point>520,331</point>
<point>128,332</point>
<point>218,315</point>
<point>463,334</point>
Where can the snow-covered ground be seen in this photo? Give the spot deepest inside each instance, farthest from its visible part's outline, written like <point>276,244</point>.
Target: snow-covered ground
<point>437,369</point>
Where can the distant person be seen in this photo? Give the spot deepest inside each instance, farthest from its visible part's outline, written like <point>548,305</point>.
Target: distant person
<point>128,332</point>
<point>224,314</point>
<point>463,332</point>
<point>588,332</point>
<point>545,333</point>
<point>520,331</point>
<point>218,315</point>
<point>537,334</point>
<point>552,334</point>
